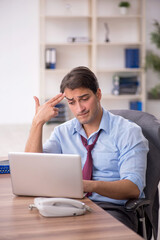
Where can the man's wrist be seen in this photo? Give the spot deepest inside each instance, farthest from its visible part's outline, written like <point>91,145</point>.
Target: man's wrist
<point>94,186</point>
<point>90,185</point>
<point>37,123</point>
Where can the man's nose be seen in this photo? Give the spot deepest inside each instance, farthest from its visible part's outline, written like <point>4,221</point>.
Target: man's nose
<point>80,107</point>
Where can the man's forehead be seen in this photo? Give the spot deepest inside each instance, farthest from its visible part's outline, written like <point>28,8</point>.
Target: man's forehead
<point>79,97</point>
<point>77,93</point>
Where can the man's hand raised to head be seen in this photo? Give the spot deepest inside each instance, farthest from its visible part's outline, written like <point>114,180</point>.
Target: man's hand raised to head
<point>46,111</point>
<point>43,113</point>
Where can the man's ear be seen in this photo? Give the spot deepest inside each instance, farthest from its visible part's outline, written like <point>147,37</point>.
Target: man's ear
<point>99,94</point>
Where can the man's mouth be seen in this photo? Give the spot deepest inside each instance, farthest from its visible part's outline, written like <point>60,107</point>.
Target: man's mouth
<point>82,114</point>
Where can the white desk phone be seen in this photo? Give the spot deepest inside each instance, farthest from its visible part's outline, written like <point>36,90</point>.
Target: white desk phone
<point>59,207</point>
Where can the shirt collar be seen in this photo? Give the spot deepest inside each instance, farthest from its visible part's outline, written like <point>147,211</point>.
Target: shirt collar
<point>104,124</point>
<point>77,127</point>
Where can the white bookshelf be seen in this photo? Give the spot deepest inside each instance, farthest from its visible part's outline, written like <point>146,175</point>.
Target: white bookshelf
<point>122,97</point>
<point>61,19</point>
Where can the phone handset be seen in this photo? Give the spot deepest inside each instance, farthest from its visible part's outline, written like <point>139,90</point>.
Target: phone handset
<point>58,207</point>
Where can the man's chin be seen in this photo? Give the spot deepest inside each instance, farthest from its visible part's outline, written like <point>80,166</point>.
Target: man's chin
<point>83,121</point>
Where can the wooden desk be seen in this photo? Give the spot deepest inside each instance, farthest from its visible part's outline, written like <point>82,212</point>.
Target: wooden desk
<point>17,222</point>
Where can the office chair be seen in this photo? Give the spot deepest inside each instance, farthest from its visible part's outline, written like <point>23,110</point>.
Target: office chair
<point>147,209</point>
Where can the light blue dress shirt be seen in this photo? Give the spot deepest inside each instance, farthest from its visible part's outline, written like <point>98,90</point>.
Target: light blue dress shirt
<point>119,153</point>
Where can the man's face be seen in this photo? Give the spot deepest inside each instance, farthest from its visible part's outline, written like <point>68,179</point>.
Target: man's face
<point>84,104</point>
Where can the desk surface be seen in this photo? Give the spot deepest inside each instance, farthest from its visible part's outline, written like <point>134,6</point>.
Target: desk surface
<point>18,222</point>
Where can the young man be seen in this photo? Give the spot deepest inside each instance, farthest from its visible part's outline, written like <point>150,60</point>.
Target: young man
<point>119,152</point>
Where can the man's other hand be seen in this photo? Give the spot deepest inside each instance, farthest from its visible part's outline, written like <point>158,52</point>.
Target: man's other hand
<point>46,111</point>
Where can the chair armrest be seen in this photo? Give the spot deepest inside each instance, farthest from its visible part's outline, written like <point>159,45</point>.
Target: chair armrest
<point>134,204</point>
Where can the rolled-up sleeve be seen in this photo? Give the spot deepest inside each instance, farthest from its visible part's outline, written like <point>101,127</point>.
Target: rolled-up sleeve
<point>133,157</point>
<point>52,145</point>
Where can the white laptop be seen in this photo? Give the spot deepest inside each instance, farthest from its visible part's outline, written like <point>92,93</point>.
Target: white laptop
<point>49,175</point>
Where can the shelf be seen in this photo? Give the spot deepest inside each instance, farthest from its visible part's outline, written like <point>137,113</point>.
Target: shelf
<point>109,44</point>
<point>121,97</point>
<point>57,71</point>
<point>66,17</point>
<point>65,44</point>
<point>129,70</point>
<point>89,17</point>
<point>133,70</point>
<point>120,17</point>
<point>100,44</point>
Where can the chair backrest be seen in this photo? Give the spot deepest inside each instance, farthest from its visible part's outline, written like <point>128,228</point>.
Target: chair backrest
<point>151,130</point>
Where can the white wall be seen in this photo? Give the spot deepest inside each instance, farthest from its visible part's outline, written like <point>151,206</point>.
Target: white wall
<point>19,59</point>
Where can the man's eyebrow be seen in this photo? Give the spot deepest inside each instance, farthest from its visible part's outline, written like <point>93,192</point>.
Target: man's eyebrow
<point>69,99</point>
<point>82,96</point>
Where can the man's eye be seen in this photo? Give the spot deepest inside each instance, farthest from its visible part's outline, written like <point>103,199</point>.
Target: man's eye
<point>85,99</point>
<point>71,103</point>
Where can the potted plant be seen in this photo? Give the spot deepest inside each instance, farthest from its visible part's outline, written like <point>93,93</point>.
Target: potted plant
<point>153,60</point>
<point>124,7</point>
<point>154,93</point>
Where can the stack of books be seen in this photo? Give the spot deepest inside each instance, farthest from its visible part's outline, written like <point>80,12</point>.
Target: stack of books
<point>125,85</point>
<point>62,115</point>
<point>4,167</point>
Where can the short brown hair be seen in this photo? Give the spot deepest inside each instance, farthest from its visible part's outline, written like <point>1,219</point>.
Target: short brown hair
<point>80,77</point>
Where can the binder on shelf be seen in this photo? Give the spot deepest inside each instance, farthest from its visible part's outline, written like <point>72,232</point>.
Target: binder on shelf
<point>47,58</point>
<point>132,58</point>
<point>50,58</point>
<point>136,105</point>
<point>53,58</point>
